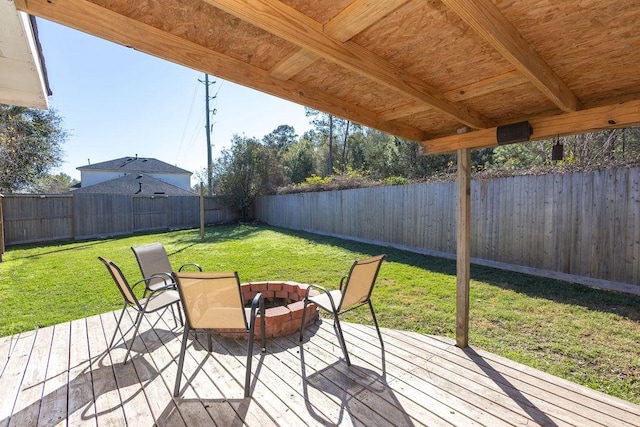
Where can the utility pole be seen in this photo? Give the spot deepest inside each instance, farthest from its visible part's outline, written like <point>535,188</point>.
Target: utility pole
<point>208,114</point>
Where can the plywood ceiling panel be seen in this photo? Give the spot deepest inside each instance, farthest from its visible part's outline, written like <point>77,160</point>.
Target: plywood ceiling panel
<point>420,69</point>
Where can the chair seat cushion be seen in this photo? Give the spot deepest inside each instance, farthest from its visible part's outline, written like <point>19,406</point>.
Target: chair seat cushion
<point>323,301</point>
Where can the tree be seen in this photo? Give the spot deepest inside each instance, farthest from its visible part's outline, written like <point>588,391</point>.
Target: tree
<point>241,173</point>
<point>298,161</point>
<point>328,129</point>
<point>53,184</point>
<point>280,139</point>
<point>30,145</point>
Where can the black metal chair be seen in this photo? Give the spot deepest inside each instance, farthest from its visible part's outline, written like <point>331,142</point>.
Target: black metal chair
<point>355,290</point>
<point>213,301</point>
<point>152,260</point>
<point>158,299</point>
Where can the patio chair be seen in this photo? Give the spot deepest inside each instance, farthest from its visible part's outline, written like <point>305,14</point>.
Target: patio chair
<point>153,259</point>
<point>159,299</point>
<point>213,301</point>
<point>355,291</point>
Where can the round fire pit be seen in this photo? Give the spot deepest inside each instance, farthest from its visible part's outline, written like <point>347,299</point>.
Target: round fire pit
<point>284,302</point>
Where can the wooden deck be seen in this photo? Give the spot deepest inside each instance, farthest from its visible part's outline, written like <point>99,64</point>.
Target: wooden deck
<point>62,375</point>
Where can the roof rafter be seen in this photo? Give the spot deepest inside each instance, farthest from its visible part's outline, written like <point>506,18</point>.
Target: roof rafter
<point>485,18</point>
<point>483,87</point>
<point>358,16</point>
<point>287,23</point>
<point>350,21</point>
<point>88,17</point>
<point>614,116</point>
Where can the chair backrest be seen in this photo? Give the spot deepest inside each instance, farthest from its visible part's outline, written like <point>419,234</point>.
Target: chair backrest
<point>152,259</point>
<point>360,281</point>
<point>212,300</point>
<point>121,282</point>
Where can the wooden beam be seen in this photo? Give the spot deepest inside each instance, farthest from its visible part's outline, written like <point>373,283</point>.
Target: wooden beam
<point>287,23</point>
<point>484,17</point>
<point>486,86</point>
<point>90,18</point>
<point>483,87</point>
<point>292,64</point>
<point>623,114</point>
<point>463,248</point>
<point>350,21</point>
<point>358,16</point>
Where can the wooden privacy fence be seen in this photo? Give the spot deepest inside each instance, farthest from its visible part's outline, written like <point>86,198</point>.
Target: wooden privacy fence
<point>581,227</point>
<point>40,218</point>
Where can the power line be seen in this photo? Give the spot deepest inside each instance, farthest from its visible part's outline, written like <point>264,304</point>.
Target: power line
<point>186,125</point>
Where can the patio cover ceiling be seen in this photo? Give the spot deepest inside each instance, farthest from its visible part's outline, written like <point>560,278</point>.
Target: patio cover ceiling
<point>444,73</point>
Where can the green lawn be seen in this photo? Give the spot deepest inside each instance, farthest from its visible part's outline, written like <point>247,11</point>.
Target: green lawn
<point>588,336</point>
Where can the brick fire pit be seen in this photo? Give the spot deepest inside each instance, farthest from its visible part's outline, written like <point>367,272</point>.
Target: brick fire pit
<point>283,303</point>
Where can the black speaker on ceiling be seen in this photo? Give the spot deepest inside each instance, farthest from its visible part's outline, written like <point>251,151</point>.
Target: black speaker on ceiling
<point>515,132</point>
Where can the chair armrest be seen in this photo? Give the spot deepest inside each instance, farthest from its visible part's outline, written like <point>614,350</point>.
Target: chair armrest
<point>325,290</point>
<point>258,303</point>
<point>342,281</point>
<point>167,278</point>
<point>190,264</point>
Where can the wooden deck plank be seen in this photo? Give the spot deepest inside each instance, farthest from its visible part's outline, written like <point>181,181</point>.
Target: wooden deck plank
<point>53,406</point>
<point>418,380</point>
<point>159,367</point>
<point>130,388</point>
<point>452,378</point>
<point>484,384</point>
<point>81,410</point>
<point>285,405</point>
<point>13,373</point>
<point>27,407</point>
<point>108,406</point>
<point>421,413</point>
<point>533,390</point>
<point>573,393</point>
<point>467,407</point>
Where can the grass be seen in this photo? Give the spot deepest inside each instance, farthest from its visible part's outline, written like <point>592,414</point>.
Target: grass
<point>585,335</point>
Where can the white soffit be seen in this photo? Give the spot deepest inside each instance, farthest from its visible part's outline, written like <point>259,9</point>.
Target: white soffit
<point>22,76</point>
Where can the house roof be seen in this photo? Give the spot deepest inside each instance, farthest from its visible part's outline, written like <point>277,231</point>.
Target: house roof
<point>23,76</point>
<point>446,73</point>
<point>135,184</point>
<point>135,164</point>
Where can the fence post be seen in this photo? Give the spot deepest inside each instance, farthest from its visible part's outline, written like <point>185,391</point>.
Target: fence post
<point>73,219</point>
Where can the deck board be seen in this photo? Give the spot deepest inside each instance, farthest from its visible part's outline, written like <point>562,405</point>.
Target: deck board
<point>63,375</point>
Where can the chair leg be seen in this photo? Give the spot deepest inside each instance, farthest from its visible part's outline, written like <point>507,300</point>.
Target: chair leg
<point>304,318</point>
<point>115,332</point>
<point>179,307</point>
<point>135,333</point>
<point>343,344</point>
<point>375,322</point>
<point>264,332</point>
<point>247,377</point>
<point>183,350</point>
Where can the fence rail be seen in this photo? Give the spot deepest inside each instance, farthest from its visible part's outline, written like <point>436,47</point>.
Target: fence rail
<point>582,227</point>
<point>41,218</point>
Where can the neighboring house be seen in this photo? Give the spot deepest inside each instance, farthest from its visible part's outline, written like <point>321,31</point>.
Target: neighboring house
<point>134,175</point>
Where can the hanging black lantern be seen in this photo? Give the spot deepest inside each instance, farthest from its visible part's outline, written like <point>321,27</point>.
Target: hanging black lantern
<point>557,153</point>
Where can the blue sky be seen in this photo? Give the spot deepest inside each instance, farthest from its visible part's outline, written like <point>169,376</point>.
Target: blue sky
<point>117,102</point>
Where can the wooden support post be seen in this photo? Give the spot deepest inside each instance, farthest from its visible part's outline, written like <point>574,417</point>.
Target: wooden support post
<point>463,250</point>
<point>201,212</point>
